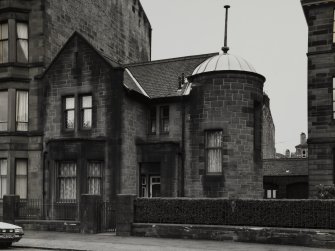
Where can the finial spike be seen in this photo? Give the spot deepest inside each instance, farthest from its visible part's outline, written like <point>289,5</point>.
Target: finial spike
<point>225,48</point>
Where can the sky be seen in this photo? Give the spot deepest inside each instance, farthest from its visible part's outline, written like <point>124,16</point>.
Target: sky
<point>270,34</point>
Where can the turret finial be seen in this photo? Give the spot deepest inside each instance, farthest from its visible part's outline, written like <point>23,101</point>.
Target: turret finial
<point>225,48</point>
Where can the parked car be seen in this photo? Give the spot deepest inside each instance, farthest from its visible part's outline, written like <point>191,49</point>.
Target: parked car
<point>9,233</point>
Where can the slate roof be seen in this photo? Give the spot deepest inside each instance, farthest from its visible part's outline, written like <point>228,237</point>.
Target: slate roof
<point>285,167</point>
<point>160,78</point>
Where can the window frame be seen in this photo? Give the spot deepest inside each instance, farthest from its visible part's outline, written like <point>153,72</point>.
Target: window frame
<point>82,111</point>
<point>65,111</point>
<point>16,113</point>
<point>208,148</point>
<point>5,122</point>
<point>101,163</point>
<point>16,176</point>
<point>162,119</point>
<point>17,39</point>
<point>58,178</point>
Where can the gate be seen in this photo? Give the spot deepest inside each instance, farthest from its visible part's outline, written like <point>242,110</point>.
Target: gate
<point>108,216</point>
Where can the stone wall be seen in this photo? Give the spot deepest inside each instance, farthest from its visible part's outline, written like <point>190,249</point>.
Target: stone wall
<point>224,101</point>
<point>134,129</point>
<point>89,74</point>
<point>119,28</point>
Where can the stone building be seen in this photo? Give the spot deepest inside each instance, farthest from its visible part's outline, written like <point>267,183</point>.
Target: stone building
<point>301,150</point>
<point>286,176</point>
<point>32,33</point>
<point>105,120</point>
<point>321,85</point>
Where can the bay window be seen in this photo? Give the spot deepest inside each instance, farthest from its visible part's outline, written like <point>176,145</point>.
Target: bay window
<point>86,112</point>
<point>4,43</point>
<point>3,177</point>
<point>22,42</point>
<point>213,149</point>
<point>94,170</point>
<point>3,110</point>
<point>67,181</point>
<point>21,178</point>
<point>22,110</point>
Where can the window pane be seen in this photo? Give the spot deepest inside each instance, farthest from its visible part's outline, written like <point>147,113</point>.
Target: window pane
<point>21,180</point>
<point>4,31</point>
<point>70,119</point>
<point>214,151</point>
<point>67,182</point>
<point>274,194</point>
<point>86,101</point>
<point>22,51</point>
<point>268,194</point>
<point>87,118</point>
<point>214,160</point>
<point>22,110</point>
<point>94,177</point>
<point>22,30</point>
<point>69,103</point>
<point>3,167</point>
<point>3,110</point>
<point>214,139</point>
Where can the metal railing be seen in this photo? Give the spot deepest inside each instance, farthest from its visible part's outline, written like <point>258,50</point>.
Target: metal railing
<point>35,209</point>
<point>108,216</point>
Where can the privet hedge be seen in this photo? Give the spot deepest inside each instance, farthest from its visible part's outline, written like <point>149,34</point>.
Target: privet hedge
<point>267,213</point>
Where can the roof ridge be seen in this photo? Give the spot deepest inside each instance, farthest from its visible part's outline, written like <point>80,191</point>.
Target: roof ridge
<point>167,60</point>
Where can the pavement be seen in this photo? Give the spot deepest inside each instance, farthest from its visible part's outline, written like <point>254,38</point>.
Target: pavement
<point>41,240</point>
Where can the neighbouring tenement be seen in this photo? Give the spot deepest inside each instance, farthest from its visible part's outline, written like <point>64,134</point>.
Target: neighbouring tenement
<point>320,19</point>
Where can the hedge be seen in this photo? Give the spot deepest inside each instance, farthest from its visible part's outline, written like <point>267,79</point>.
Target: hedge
<point>265,213</point>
